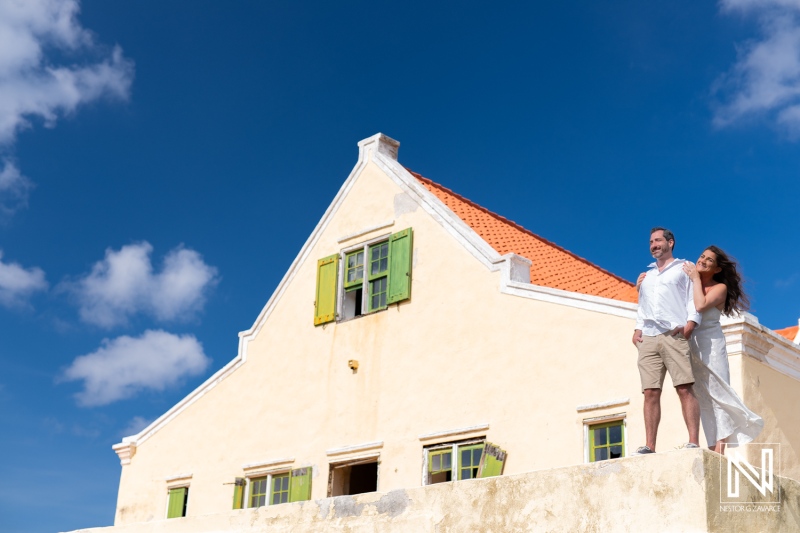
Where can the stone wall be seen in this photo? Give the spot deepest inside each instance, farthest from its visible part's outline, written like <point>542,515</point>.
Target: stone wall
<point>677,491</point>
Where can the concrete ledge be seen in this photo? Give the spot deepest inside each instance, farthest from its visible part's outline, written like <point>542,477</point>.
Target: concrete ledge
<point>677,491</point>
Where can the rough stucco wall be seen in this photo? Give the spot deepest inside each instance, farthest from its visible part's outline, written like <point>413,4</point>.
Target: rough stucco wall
<point>458,354</point>
<point>667,492</point>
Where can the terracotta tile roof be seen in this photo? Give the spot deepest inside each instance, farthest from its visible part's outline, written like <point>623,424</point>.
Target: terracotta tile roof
<point>789,333</point>
<point>552,266</point>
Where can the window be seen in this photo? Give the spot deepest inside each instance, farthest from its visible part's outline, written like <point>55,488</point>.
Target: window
<point>353,477</point>
<point>374,275</point>
<point>280,489</point>
<point>469,459</point>
<point>273,489</point>
<point>606,440</point>
<point>178,497</point>
<point>258,491</point>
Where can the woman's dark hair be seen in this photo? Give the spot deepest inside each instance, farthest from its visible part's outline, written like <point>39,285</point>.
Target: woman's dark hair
<point>736,300</point>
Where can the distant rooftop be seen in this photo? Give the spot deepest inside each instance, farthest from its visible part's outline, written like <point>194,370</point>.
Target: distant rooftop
<point>789,333</point>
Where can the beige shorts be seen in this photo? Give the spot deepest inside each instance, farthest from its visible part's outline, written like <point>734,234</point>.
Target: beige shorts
<point>661,353</point>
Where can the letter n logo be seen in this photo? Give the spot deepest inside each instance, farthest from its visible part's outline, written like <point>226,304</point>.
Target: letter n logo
<point>740,464</point>
<point>761,478</point>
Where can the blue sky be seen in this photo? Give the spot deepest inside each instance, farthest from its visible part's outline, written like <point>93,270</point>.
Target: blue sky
<point>162,163</point>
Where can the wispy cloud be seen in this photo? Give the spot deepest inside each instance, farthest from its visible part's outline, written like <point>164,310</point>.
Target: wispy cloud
<point>35,36</point>
<point>14,189</point>
<point>124,366</point>
<point>135,425</point>
<point>785,283</point>
<point>123,284</point>
<point>54,426</point>
<point>18,283</point>
<point>765,81</point>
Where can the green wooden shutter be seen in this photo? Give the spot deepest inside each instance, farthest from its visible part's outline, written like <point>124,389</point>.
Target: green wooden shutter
<point>492,461</point>
<point>300,485</point>
<point>177,498</point>
<point>238,493</point>
<point>325,304</point>
<point>400,247</point>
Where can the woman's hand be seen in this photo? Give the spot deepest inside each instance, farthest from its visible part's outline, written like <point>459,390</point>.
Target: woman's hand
<point>690,270</point>
<point>640,280</point>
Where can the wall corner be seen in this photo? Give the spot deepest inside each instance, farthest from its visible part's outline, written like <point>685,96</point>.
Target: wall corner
<point>378,143</point>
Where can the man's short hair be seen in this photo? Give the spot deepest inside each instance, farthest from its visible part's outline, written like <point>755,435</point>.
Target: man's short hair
<point>668,235</point>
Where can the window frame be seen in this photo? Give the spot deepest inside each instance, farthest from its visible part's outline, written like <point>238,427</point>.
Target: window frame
<point>455,463</point>
<point>250,483</point>
<point>350,462</point>
<point>342,287</point>
<point>596,423</point>
<point>269,476</point>
<point>279,475</point>
<point>345,256</point>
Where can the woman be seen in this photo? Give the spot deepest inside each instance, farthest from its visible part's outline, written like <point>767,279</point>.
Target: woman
<point>717,291</point>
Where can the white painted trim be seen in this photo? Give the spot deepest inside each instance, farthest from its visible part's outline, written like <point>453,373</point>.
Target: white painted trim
<point>364,231</point>
<point>345,461</point>
<point>355,448</point>
<point>125,451</point>
<point>453,432</point>
<point>598,304</point>
<point>744,335</point>
<point>603,405</point>
<point>267,464</point>
<point>178,477</point>
<point>604,418</point>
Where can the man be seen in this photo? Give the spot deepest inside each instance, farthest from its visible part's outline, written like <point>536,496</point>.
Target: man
<point>665,321</point>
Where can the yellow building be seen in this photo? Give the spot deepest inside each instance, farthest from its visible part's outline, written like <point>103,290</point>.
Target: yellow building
<point>418,338</point>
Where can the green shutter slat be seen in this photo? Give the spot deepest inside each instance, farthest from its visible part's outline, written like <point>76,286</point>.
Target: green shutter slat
<point>300,485</point>
<point>177,497</point>
<point>325,303</point>
<point>492,461</point>
<point>400,247</point>
<point>238,493</point>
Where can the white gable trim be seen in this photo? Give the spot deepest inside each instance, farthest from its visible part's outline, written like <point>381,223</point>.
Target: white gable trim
<point>382,151</point>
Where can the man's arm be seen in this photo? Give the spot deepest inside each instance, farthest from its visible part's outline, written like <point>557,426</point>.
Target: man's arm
<point>691,313</point>
<point>642,296</point>
<point>637,337</point>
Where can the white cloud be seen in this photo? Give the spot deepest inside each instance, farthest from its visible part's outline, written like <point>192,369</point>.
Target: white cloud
<point>31,84</point>
<point>765,81</point>
<point>124,284</point>
<point>14,188</point>
<point>124,366</point>
<point>17,283</point>
<point>135,425</point>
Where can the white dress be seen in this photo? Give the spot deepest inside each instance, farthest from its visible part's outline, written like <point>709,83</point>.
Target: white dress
<point>723,414</point>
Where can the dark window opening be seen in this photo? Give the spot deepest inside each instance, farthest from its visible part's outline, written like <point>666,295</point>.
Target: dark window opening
<point>349,479</point>
<point>353,299</point>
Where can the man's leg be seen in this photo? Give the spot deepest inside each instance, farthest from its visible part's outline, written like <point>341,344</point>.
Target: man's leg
<point>691,411</point>
<point>652,415</point>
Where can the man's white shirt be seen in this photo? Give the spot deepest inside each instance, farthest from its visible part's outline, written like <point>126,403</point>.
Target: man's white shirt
<point>665,300</point>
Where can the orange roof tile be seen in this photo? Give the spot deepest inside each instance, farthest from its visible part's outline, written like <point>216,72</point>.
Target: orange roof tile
<point>789,333</point>
<point>552,266</point>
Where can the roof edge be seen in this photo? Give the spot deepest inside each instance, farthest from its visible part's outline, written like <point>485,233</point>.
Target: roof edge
<point>520,227</point>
